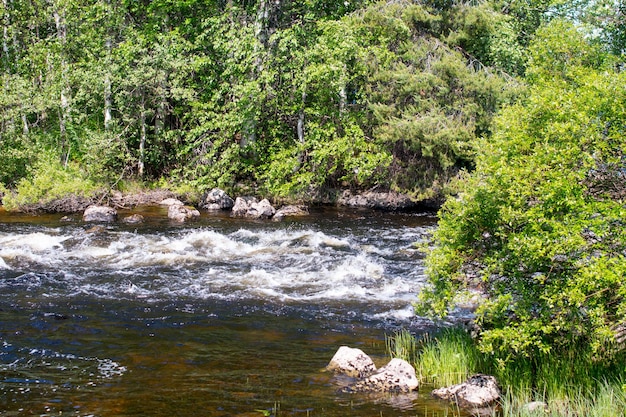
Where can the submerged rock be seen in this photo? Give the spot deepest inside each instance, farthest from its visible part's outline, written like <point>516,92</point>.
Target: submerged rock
<point>352,362</point>
<point>397,376</point>
<point>96,230</point>
<point>181,213</point>
<point>217,199</point>
<point>100,214</point>
<point>479,391</point>
<point>133,219</point>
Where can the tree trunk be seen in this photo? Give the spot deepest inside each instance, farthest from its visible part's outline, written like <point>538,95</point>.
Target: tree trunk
<point>261,36</point>
<point>142,137</point>
<point>5,34</point>
<point>107,88</point>
<point>61,27</point>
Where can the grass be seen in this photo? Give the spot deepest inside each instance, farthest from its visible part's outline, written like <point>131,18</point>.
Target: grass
<point>569,383</point>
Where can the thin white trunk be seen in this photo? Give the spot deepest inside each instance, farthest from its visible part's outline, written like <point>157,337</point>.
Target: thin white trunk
<point>343,95</point>
<point>142,138</point>
<point>301,120</point>
<point>261,35</point>
<point>61,27</point>
<point>5,32</point>
<point>107,102</point>
<point>107,90</point>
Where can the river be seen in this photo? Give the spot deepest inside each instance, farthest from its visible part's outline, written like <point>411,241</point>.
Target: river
<point>217,317</point>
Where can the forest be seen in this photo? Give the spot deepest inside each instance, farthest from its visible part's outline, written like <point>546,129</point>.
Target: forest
<point>290,99</point>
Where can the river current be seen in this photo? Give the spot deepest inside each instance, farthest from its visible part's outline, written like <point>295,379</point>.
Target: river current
<point>217,317</point>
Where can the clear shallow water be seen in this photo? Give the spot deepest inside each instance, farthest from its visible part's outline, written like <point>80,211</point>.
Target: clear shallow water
<point>219,317</point>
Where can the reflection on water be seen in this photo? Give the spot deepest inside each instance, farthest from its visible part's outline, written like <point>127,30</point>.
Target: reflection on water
<point>220,317</point>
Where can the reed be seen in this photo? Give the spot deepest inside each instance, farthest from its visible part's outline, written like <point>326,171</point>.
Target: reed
<point>448,358</point>
<point>570,382</point>
<point>402,345</point>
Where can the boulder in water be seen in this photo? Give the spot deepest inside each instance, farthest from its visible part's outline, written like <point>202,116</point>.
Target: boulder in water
<point>100,214</point>
<point>479,391</point>
<point>181,213</point>
<point>352,362</point>
<point>397,376</point>
<point>288,211</point>
<point>133,219</point>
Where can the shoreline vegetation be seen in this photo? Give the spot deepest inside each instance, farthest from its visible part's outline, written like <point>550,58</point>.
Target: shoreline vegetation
<point>555,385</point>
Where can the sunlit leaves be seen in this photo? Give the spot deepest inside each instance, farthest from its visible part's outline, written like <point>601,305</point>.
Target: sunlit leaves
<point>531,222</point>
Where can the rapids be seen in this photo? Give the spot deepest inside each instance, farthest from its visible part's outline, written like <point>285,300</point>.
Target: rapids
<point>212,318</point>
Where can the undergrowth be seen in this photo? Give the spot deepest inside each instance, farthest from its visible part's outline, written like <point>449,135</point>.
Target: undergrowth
<point>566,384</point>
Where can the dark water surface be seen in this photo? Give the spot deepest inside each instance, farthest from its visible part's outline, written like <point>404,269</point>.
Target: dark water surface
<point>219,317</point>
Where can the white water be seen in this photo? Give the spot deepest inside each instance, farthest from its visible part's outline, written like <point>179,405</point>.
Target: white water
<point>278,265</point>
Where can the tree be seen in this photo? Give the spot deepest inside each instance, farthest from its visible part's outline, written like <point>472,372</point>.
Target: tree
<point>538,227</point>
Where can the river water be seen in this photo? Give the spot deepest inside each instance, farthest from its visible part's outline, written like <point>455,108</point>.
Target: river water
<point>218,317</point>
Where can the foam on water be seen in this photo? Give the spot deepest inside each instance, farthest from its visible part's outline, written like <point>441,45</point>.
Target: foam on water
<point>282,265</point>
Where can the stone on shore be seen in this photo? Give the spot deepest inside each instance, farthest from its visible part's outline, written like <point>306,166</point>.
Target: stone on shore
<point>251,207</point>
<point>352,362</point>
<point>217,199</point>
<point>289,211</point>
<point>103,214</point>
<point>479,391</point>
<point>171,202</point>
<point>386,201</point>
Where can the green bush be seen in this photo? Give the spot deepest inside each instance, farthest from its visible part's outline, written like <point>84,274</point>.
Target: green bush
<point>49,181</point>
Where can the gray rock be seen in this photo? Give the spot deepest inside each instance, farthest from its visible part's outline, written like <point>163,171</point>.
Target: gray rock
<point>288,211</point>
<point>251,207</point>
<point>537,407</point>
<point>352,362</point>
<point>397,376</point>
<point>180,213</point>
<point>99,214</point>
<point>479,391</point>
<point>171,202</point>
<point>242,205</point>
<point>261,210</point>
<point>217,199</point>
<point>388,201</point>
<point>133,219</point>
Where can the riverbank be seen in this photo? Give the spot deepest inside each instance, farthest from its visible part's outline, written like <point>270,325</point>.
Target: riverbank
<point>136,196</point>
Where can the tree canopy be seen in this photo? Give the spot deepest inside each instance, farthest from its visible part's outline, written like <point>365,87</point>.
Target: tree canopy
<point>290,98</point>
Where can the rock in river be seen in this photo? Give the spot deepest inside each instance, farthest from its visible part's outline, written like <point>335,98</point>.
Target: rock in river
<point>100,214</point>
<point>180,213</point>
<point>479,391</point>
<point>352,362</point>
<point>397,376</point>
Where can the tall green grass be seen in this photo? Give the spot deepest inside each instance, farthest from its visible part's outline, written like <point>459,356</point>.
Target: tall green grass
<point>570,382</point>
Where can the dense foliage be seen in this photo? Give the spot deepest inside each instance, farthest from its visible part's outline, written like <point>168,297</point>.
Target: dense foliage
<point>289,97</point>
<point>539,226</point>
